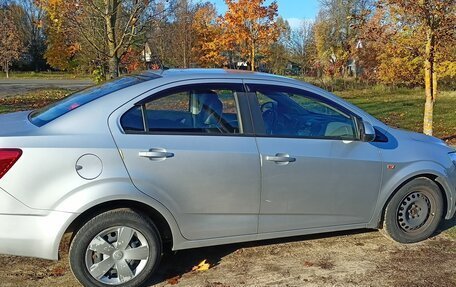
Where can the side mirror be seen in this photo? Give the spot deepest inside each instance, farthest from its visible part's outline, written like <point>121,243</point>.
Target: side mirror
<point>367,132</point>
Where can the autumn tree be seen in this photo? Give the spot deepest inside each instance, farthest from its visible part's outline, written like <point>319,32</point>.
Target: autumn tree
<point>337,34</point>
<point>120,24</point>
<point>446,67</point>
<point>400,62</point>
<point>301,46</point>
<point>11,45</point>
<point>436,20</point>
<point>62,37</point>
<point>132,60</point>
<point>110,27</point>
<point>28,19</point>
<point>206,49</point>
<point>375,34</point>
<point>277,58</point>
<point>181,32</point>
<point>249,27</point>
<point>187,36</point>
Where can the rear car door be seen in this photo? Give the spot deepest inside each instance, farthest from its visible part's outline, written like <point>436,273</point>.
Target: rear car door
<point>188,146</point>
<point>315,171</point>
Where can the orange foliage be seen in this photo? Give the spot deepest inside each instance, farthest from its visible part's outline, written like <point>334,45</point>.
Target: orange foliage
<point>11,45</point>
<point>249,27</point>
<point>206,50</point>
<point>132,60</point>
<point>62,44</point>
<point>435,22</point>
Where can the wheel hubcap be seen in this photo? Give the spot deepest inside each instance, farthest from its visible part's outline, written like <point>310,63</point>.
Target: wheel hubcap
<point>413,211</point>
<point>117,255</point>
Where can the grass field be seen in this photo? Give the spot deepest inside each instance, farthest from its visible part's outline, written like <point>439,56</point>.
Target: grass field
<point>404,108</point>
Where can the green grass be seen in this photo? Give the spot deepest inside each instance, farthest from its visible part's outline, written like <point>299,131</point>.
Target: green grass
<point>452,232</point>
<point>404,108</point>
<point>450,227</point>
<point>336,84</point>
<point>44,75</point>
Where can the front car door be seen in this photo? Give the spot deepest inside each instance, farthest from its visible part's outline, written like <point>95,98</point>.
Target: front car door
<point>315,171</point>
<point>188,147</point>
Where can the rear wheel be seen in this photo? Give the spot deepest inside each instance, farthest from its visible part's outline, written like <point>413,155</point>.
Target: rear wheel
<point>116,248</point>
<point>414,212</point>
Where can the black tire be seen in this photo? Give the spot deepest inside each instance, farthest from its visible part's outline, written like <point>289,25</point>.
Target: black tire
<point>143,234</point>
<point>414,212</point>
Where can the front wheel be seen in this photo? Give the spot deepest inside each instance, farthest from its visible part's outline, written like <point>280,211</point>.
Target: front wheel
<point>116,248</point>
<point>414,212</point>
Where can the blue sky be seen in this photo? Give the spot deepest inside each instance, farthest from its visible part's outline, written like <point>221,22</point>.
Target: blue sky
<point>292,10</point>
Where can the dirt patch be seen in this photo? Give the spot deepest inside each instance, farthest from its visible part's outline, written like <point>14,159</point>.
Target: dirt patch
<point>412,264</point>
<point>359,258</point>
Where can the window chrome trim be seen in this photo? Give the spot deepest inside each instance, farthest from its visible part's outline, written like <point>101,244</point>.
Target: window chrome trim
<point>237,88</point>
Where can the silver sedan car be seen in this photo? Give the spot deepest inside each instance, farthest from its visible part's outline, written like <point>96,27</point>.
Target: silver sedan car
<point>189,158</point>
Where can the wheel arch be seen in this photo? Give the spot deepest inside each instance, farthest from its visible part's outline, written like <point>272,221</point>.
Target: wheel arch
<point>164,227</point>
<point>431,176</point>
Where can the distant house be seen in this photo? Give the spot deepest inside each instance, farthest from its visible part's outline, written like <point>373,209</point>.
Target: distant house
<point>293,69</point>
<point>146,54</point>
<point>151,61</point>
<point>241,65</point>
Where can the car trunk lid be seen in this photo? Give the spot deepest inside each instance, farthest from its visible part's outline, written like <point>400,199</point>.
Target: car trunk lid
<point>14,124</point>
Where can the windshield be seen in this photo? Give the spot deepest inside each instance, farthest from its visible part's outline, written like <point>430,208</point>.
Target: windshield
<point>49,113</point>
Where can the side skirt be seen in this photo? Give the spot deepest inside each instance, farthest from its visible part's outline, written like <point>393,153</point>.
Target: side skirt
<point>263,236</point>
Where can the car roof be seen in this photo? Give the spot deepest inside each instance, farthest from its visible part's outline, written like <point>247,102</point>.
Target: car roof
<point>214,73</point>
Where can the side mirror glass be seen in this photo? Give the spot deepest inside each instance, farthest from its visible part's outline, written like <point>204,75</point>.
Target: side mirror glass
<point>368,133</point>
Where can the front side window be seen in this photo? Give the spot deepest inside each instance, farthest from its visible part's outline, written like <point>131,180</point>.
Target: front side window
<point>188,110</point>
<point>289,112</point>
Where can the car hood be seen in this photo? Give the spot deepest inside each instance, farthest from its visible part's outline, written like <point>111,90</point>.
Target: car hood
<point>15,124</point>
<point>421,137</point>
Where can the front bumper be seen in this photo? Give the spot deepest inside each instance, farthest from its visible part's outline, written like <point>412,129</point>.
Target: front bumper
<point>449,185</point>
<point>33,235</point>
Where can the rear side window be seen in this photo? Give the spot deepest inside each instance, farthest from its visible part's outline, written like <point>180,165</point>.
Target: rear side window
<point>197,109</point>
<point>49,113</point>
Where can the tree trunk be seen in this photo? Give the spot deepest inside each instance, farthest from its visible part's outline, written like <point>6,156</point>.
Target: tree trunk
<point>111,20</point>
<point>434,81</point>
<point>252,57</point>
<point>113,68</point>
<point>429,79</point>
<point>7,69</point>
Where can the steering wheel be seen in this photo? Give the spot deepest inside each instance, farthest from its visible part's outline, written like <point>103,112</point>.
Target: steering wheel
<point>270,116</point>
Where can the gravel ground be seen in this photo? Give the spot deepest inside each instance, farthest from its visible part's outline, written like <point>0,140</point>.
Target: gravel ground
<point>358,258</point>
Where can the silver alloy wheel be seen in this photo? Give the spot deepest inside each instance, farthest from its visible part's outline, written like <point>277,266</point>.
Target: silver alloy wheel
<point>414,211</point>
<point>117,255</point>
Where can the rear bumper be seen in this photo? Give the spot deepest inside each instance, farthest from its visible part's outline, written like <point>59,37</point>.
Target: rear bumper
<point>32,235</point>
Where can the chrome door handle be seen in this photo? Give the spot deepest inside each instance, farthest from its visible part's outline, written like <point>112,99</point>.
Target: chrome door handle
<point>281,158</point>
<point>156,154</point>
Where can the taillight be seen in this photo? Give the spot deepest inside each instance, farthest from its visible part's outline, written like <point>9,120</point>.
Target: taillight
<point>8,157</point>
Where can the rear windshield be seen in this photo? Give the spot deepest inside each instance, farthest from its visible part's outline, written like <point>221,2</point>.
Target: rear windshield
<point>49,113</point>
